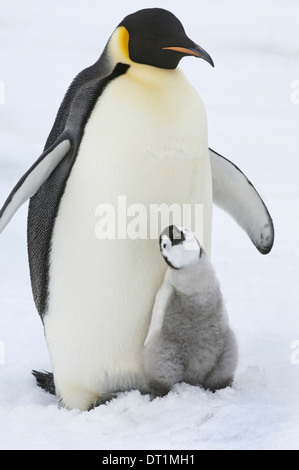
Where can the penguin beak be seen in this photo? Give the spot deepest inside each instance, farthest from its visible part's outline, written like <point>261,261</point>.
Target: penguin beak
<point>195,50</point>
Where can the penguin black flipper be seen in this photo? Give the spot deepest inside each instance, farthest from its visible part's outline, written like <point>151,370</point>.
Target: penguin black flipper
<point>34,178</point>
<point>235,194</point>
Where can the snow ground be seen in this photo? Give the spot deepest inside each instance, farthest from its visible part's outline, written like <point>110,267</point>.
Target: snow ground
<point>252,121</point>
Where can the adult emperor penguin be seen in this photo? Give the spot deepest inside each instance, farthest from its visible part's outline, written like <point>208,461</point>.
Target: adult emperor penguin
<point>132,125</point>
<point>189,338</point>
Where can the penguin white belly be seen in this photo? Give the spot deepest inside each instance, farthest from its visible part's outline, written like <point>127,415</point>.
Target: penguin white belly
<point>146,139</point>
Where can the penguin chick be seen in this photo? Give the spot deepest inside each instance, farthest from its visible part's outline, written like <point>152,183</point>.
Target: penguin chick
<point>189,338</point>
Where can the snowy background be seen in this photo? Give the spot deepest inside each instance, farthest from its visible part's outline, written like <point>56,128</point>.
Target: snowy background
<point>252,121</point>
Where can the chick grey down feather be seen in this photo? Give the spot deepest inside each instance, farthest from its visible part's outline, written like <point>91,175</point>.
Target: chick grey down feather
<point>189,339</point>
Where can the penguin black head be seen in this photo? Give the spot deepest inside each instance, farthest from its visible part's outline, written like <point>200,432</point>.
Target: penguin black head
<point>156,37</point>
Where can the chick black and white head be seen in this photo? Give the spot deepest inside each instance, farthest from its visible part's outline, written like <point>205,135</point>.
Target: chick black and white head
<point>179,247</point>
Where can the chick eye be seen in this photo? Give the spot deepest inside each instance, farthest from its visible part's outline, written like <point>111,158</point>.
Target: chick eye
<point>164,245</point>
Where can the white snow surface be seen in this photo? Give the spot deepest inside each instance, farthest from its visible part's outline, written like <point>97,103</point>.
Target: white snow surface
<point>254,121</point>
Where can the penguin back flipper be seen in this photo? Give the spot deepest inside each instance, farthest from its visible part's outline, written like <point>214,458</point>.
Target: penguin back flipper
<point>236,195</point>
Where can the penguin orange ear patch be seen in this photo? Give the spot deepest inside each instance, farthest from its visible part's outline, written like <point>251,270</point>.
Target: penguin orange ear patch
<point>124,41</point>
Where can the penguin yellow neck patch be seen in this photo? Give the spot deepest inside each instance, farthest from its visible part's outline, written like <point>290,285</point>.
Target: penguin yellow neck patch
<point>119,46</point>
<point>124,41</point>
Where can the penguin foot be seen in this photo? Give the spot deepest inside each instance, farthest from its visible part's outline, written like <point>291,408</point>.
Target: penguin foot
<point>45,380</point>
<point>104,399</point>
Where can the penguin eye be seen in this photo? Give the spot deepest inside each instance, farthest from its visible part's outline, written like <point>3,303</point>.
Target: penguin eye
<point>164,245</point>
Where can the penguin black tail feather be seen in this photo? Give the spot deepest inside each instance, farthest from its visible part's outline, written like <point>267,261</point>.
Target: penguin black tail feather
<point>45,380</point>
